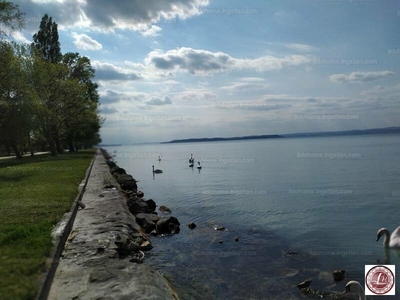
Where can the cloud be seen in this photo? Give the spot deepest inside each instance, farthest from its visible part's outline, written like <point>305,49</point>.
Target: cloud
<point>203,62</point>
<point>252,79</point>
<point>109,72</point>
<point>158,101</point>
<point>301,47</point>
<point>20,38</point>
<point>85,42</point>
<point>152,31</point>
<point>108,111</point>
<point>360,76</point>
<point>106,16</point>
<point>243,86</point>
<point>196,95</point>
<point>110,96</point>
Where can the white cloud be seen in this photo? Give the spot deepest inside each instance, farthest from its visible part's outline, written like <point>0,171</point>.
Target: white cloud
<point>159,101</point>
<point>152,31</point>
<point>20,38</point>
<point>360,76</point>
<point>196,95</point>
<point>105,15</point>
<point>301,47</point>
<point>244,86</point>
<point>109,72</point>
<point>85,42</point>
<point>203,62</point>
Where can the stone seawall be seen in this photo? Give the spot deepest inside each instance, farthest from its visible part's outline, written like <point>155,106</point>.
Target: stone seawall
<point>104,254</point>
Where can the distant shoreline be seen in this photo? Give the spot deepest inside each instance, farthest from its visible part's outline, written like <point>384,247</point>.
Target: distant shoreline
<point>380,131</point>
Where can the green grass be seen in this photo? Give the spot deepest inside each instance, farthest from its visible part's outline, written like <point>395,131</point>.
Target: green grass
<point>34,195</point>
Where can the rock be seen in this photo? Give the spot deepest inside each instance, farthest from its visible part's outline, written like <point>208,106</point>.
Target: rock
<point>147,221</point>
<point>220,228</point>
<point>129,185</point>
<point>236,239</point>
<point>117,170</point>
<point>191,225</point>
<point>168,225</point>
<point>123,177</point>
<point>304,284</point>
<point>221,242</point>
<point>137,206</point>
<point>152,205</point>
<point>140,194</point>
<point>339,275</point>
<point>164,209</point>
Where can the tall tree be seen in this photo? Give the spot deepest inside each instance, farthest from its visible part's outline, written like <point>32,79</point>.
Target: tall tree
<point>17,97</point>
<point>46,40</point>
<point>11,18</point>
<point>84,127</point>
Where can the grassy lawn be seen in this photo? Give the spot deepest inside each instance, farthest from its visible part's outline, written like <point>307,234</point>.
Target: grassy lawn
<point>34,194</point>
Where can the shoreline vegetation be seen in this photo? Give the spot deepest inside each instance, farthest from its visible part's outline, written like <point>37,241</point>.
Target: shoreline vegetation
<point>373,131</point>
<point>34,195</point>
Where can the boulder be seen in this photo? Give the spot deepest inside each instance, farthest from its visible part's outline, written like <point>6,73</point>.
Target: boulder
<point>167,225</point>
<point>137,206</point>
<point>140,194</point>
<point>117,170</point>
<point>123,177</point>
<point>129,186</point>
<point>165,209</point>
<point>147,221</point>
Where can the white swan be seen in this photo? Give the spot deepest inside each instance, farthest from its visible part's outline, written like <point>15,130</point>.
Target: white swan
<point>390,241</point>
<point>156,171</point>
<point>355,286</point>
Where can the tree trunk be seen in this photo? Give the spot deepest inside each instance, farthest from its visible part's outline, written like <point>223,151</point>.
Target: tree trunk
<point>17,153</point>
<point>71,147</point>
<point>30,144</point>
<point>58,145</point>
<point>50,141</point>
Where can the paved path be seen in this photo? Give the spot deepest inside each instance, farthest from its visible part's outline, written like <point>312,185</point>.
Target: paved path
<point>91,266</point>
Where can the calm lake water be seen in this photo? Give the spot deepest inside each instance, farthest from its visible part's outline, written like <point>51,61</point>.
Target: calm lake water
<point>300,207</point>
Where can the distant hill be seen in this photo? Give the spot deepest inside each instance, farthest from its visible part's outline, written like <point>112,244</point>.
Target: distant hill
<point>387,130</point>
<point>218,139</point>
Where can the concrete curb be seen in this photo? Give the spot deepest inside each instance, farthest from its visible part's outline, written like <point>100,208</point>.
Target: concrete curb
<point>101,258</point>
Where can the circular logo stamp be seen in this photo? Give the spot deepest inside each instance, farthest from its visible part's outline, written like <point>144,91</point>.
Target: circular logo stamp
<point>379,280</point>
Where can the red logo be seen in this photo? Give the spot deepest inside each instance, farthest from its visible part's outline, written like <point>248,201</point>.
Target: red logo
<point>379,280</point>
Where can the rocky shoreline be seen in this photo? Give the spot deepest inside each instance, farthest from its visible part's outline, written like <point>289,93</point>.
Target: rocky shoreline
<point>103,256</point>
<point>143,210</point>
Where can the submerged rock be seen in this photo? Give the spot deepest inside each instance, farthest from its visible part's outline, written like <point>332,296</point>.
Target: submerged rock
<point>339,275</point>
<point>165,209</point>
<point>191,225</point>
<point>167,225</point>
<point>304,284</point>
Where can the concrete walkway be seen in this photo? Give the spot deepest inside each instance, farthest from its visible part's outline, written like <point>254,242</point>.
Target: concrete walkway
<point>92,265</point>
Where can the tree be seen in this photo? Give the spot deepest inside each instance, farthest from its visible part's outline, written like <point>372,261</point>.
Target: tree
<point>46,40</point>
<point>17,97</point>
<point>84,127</point>
<point>11,18</point>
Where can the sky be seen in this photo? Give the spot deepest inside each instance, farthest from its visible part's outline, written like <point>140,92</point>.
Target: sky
<point>175,69</point>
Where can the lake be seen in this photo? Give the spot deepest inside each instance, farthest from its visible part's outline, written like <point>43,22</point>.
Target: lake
<point>299,208</point>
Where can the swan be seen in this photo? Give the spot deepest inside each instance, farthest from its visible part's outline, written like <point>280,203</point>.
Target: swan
<point>191,159</point>
<point>390,241</point>
<point>156,171</point>
<point>191,165</point>
<point>159,158</point>
<point>198,166</point>
<point>355,286</point>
